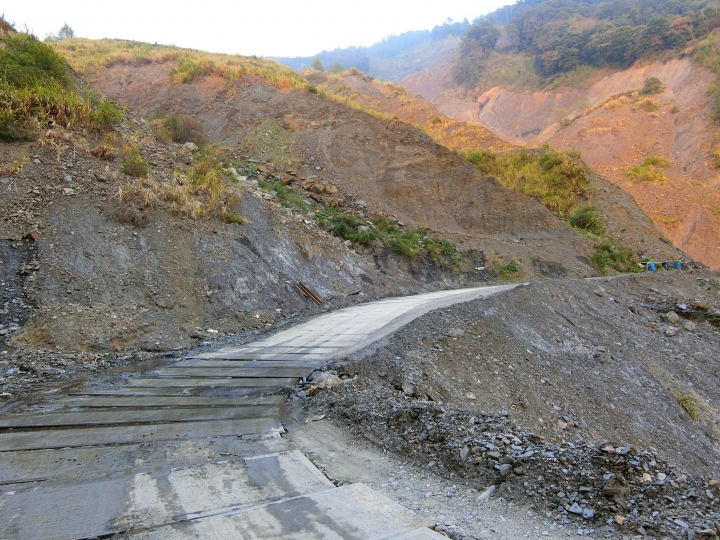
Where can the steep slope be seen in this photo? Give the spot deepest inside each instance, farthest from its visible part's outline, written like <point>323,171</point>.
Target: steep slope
<point>392,167</point>
<point>620,215</point>
<point>616,134</point>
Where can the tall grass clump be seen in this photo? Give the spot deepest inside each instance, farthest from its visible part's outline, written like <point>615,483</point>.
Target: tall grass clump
<point>555,178</point>
<point>36,91</point>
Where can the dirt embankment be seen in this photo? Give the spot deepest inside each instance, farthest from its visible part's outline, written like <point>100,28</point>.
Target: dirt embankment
<point>391,166</point>
<point>615,136</point>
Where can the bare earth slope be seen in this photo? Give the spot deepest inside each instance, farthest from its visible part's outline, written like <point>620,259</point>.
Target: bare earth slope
<point>613,137</point>
<point>393,167</point>
<point>620,214</point>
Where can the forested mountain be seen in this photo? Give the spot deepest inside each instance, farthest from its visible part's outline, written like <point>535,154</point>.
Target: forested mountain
<point>392,58</point>
<point>562,35</point>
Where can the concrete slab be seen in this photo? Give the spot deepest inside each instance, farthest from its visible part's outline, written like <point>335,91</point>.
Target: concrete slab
<point>95,436</point>
<point>90,463</point>
<point>149,499</point>
<point>215,383</point>
<point>234,372</point>
<point>170,401</point>
<point>222,363</point>
<point>171,391</point>
<point>137,416</point>
<point>349,512</point>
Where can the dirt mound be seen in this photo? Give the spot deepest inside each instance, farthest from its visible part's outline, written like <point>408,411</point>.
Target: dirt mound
<point>614,136</point>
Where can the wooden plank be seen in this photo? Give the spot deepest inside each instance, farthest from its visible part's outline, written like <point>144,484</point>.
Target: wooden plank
<point>137,416</point>
<point>99,436</point>
<point>216,383</point>
<point>170,401</point>
<point>201,362</point>
<point>231,372</point>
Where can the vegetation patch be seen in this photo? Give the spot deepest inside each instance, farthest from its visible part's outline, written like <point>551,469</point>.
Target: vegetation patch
<point>690,405</point>
<point>555,178</point>
<point>92,56</point>
<point>608,255</point>
<point>285,196</point>
<point>650,170</point>
<point>199,190</point>
<point>587,219</point>
<point>36,91</point>
<point>507,271</point>
<point>179,128</point>
<point>406,242</point>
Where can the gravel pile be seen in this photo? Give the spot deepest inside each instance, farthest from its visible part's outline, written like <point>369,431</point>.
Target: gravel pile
<point>600,488</point>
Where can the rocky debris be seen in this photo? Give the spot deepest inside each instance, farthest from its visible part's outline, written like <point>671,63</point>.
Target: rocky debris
<point>607,489</point>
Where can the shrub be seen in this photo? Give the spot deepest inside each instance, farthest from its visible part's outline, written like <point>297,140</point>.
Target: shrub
<point>180,128</point>
<point>135,165</point>
<point>690,405</point>
<point>507,270</point>
<point>586,218</point>
<point>653,85</point>
<point>555,178</point>
<point>36,92</point>
<point>608,255</point>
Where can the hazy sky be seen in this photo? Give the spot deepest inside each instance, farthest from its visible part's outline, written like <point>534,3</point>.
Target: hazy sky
<point>261,27</point>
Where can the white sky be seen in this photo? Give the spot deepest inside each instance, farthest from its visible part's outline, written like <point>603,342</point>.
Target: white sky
<point>261,27</point>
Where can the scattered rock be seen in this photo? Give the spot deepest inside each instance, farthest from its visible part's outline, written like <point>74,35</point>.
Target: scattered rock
<point>671,317</point>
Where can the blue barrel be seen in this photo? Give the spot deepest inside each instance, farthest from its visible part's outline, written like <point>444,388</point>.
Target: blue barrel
<point>665,266</point>
<point>651,267</point>
<point>678,265</point>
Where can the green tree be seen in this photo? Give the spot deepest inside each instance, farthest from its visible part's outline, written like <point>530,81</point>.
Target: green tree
<point>65,32</point>
<point>336,68</point>
<point>653,85</point>
<point>317,64</point>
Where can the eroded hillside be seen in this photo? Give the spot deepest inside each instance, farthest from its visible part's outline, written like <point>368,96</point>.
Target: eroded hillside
<point>614,133</point>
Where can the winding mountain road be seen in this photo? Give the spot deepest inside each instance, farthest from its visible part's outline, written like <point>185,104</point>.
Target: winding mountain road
<point>194,449</point>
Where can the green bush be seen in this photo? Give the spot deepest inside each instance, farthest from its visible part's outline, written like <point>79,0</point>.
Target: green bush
<point>608,255</point>
<point>586,218</point>
<point>135,165</point>
<point>653,85</point>
<point>555,178</point>
<point>180,128</point>
<point>649,170</point>
<point>284,195</point>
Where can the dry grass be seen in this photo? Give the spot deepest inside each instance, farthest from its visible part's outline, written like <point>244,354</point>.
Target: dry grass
<point>689,403</point>
<point>197,191</point>
<point>90,57</point>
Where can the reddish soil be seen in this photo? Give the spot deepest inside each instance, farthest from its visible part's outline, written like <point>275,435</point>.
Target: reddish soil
<point>686,207</point>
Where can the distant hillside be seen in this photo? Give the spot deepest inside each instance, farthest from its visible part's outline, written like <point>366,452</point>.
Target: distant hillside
<point>535,41</point>
<point>395,57</point>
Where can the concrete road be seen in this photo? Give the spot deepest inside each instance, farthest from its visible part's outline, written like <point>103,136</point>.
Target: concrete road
<point>195,450</point>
